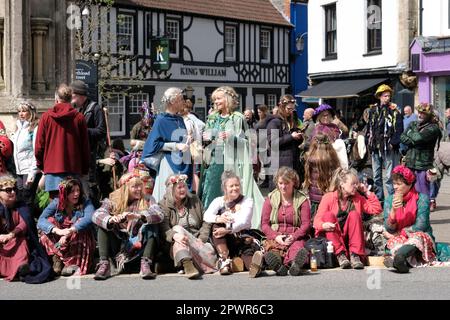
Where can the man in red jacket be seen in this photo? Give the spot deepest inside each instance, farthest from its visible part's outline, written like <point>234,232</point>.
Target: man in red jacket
<point>62,144</point>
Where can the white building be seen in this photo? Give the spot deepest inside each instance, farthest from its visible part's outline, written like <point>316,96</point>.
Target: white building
<point>355,45</point>
<point>244,44</point>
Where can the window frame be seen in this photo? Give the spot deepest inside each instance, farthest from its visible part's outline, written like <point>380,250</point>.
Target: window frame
<point>134,109</point>
<point>269,45</point>
<point>372,46</point>
<point>131,50</point>
<point>275,99</point>
<point>120,97</point>
<point>332,32</point>
<point>175,55</point>
<point>226,58</point>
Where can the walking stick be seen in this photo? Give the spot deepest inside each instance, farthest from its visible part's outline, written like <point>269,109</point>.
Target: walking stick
<point>108,140</point>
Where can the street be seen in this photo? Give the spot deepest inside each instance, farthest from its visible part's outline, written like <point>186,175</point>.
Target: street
<point>372,283</point>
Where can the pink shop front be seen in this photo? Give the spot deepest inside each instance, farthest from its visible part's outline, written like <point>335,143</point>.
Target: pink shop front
<point>430,61</point>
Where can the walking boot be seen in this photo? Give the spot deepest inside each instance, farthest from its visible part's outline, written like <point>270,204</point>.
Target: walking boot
<point>103,270</point>
<point>57,265</point>
<point>257,264</point>
<point>299,261</point>
<point>146,270</point>
<point>190,270</point>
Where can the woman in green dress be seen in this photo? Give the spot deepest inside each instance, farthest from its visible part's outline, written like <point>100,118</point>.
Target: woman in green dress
<point>226,147</point>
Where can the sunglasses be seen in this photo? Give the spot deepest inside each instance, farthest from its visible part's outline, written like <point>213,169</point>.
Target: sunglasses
<point>288,101</point>
<point>9,190</point>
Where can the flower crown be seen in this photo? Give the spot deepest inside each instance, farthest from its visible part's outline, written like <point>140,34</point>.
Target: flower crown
<point>7,181</point>
<point>406,173</point>
<point>127,177</point>
<point>230,93</point>
<point>177,178</point>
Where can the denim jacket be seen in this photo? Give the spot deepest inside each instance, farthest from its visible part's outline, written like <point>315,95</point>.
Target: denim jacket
<point>81,220</point>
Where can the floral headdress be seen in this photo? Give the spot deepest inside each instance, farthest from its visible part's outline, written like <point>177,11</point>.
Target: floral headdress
<point>7,181</point>
<point>406,173</point>
<point>173,180</point>
<point>128,176</point>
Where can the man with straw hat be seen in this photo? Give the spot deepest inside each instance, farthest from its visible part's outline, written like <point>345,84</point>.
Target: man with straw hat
<point>383,138</point>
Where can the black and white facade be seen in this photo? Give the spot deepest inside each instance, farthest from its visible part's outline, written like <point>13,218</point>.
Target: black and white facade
<point>205,52</point>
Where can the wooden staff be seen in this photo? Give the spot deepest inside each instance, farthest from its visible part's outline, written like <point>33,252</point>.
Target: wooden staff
<point>108,140</point>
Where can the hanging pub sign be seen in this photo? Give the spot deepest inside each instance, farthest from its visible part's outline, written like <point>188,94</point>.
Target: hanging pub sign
<point>87,72</point>
<point>160,54</point>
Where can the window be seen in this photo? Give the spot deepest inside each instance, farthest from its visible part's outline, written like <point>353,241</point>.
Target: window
<point>271,100</point>
<point>230,43</point>
<point>116,114</point>
<point>173,34</point>
<point>373,25</point>
<point>265,46</point>
<point>330,31</point>
<point>136,101</point>
<point>415,62</point>
<point>125,33</point>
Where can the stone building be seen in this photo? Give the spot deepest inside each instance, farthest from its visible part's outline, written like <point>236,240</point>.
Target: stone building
<point>34,53</point>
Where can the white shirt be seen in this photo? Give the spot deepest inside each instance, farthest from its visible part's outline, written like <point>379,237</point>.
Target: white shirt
<point>242,216</point>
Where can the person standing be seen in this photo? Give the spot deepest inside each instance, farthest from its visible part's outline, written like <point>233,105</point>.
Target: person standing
<point>95,120</point>
<point>24,138</point>
<point>168,142</point>
<point>420,138</point>
<point>383,138</point>
<point>62,144</point>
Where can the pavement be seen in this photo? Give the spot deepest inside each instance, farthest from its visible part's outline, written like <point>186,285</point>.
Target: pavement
<point>372,283</point>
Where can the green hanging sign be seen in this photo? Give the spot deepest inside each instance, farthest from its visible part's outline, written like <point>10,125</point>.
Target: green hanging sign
<point>160,54</point>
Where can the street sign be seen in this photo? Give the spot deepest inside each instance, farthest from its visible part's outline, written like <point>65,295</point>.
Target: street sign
<point>86,71</point>
<point>160,54</point>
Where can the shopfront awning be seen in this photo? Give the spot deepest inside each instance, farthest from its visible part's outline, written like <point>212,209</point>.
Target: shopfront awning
<point>340,88</point>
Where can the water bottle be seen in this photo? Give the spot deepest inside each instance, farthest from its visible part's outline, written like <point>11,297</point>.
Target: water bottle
<point>313,261</point>
<point>330,254</point>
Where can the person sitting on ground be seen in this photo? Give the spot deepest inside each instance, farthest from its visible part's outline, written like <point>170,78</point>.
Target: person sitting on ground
<point>231,216</point>
<point>286,224</point>
<point>409,235</point>
<point>185,231</point>
<point>66,230</point>
<point>127,228</point>
<point>21,255</point>
<point>339,217</point>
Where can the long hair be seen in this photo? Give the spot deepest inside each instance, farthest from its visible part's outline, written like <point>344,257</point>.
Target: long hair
<point>340,176</point>
<point>66,186</point>
<point>322,156</point>
<point>34,120</point>
<point>123,194</point>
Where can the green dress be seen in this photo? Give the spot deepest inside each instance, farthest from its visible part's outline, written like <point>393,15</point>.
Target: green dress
<point>232,154</point>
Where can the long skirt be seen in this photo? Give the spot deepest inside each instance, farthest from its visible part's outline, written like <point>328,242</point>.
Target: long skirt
<point>421,240</point>
<point>202,254</point>
<point>78,249</point>
<point>13,254</point>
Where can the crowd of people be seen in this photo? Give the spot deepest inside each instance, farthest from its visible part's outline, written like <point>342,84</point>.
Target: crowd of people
<point>187,197</point>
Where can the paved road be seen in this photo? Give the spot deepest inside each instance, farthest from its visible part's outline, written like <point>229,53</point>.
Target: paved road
<point>371,283</point>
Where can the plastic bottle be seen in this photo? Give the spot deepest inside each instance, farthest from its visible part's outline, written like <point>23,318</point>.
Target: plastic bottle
<point>313,261</point>
<point>330,254</point>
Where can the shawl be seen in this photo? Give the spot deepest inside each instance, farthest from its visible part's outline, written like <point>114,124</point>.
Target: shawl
<point>169,128</point>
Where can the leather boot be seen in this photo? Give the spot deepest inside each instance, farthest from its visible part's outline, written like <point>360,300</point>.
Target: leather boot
<point>57,265</point>
<point>190,270</point>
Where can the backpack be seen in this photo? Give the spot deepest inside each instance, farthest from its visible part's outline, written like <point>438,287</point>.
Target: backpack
<point>319,245</point>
